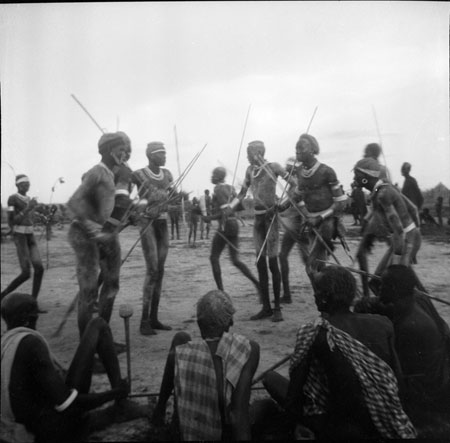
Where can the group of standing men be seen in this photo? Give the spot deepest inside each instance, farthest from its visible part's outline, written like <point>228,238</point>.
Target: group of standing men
<point>101,207</point>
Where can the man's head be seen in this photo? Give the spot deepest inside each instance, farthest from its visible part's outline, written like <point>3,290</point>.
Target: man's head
<point>306,148</point>
<point>22,183</point>
<point>367,172</point>
<point>115,146</point>
<point>372,150</point>
<point>218,175</point>
<point>397,283</point>
<point>206,192</point>
<point>335,289</point>
<point>215,314</point>
<point>156,153</point>
<point>406,169</point>
<point>255,152</point>
<point>19,309</point>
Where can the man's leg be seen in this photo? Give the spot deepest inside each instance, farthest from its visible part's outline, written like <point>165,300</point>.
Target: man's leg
<point>167,383</point>
<point>97,338</point>
<point>259,238</point>
<point>273,239</point>
<point>110,263</point>
<point>36,261</point>
<point>202,227</point>
<point>162,240</point>
<point>149,248</point>
<point>208,227</point>
<point>23,255</point>
<point>286,246</point>
<point>87,257</point>
<point>217,246</point>
<point>231,233</point>
<point>276,284</point>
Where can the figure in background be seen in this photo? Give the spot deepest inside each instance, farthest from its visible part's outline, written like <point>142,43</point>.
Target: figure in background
<point>438,208</point>
<point>228,230</point>
<point>410,187</point>
<point>195,213</point>
<point>205,206</point>
<point>20,220</point>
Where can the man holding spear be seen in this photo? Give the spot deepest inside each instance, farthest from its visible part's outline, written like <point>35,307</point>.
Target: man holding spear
<point>93,233</point>
<point>321,201</point>
<point>261,177</point>
<point>154,184</point>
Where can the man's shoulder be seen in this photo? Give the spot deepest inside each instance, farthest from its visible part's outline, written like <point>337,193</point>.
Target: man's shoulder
<point>381,321</point>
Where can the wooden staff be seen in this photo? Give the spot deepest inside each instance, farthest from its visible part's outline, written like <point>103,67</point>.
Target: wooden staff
<point>272,368</point>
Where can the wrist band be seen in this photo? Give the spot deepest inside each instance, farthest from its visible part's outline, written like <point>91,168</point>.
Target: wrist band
<point>122,192</point>
<point>68,401</point>
<point>327,213</point>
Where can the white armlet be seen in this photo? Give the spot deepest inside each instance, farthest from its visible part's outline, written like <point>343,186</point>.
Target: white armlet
<point>234,203</point>
<point>68,402</point>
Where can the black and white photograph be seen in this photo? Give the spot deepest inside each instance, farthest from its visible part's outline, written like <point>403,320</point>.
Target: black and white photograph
<point>225,221</point>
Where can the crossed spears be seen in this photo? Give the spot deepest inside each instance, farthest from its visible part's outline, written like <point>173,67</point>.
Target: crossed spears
<point>169,199</point>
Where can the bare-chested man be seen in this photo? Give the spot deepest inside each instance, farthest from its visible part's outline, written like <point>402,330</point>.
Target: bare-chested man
<point>154,183</point>
<point>398,216</point>
<point>321,202</point>
<point>20,219</point>
<point>261,176</point>
<point>293,226</point>
<point>92,205</point>
<point>228,230</point>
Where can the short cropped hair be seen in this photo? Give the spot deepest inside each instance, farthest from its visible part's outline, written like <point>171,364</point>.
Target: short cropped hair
<point>17,308</point>
<point>215,312</point>
<point>397,281</point>
<point>337,287</point>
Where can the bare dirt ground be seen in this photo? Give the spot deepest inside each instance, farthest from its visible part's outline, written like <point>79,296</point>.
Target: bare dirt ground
<point>187,277</point>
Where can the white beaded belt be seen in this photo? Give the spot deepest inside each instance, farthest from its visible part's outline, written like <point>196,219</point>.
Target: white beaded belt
<point>22,229</point>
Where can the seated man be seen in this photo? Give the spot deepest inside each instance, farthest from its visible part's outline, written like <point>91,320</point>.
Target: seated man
<point>211,376</point>
<point>422,340</point>
<point>343,370</point>
<point>40,401</point>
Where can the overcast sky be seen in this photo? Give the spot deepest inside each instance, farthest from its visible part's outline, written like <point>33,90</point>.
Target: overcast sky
<point>376,71</point>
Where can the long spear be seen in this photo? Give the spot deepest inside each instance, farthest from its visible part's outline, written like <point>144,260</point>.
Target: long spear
<point>240,145</point>
<point>88,114</point>
<point>179,173</point>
